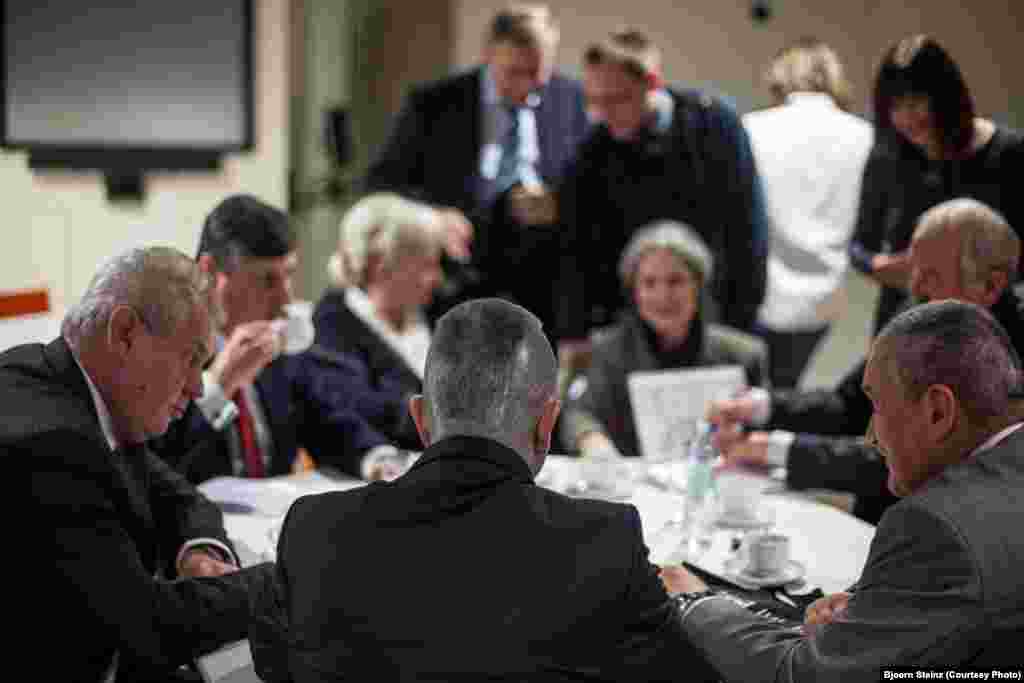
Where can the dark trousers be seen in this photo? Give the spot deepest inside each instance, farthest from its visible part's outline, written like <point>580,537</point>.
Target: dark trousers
<point>789,353</point>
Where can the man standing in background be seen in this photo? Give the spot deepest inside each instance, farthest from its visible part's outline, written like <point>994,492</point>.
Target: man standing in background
<point>488,147</point>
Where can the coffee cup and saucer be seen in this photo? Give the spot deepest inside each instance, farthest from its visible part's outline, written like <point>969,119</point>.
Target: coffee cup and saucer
<point>765,561</point>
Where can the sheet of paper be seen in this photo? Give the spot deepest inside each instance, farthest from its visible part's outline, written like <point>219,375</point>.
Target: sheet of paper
<point>272,496</point>
<point>667,404</point>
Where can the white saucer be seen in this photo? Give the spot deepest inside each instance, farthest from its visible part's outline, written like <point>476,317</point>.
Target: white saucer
<point>791,572</point>
<point>737,522</point>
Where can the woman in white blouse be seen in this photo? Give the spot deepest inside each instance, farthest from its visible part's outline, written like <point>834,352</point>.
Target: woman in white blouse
<point>385,271</point>
<point>810,156</point>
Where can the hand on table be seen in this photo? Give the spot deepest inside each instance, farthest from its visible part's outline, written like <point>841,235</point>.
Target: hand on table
<point>387,467</point>
<point>678,579</point>
<point>197,562</point>
<point>249,349</point>
<point>457,234</point>
<point>825,610</point>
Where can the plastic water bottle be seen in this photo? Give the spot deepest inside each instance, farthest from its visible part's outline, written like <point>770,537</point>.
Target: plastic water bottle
<point>699,482</point>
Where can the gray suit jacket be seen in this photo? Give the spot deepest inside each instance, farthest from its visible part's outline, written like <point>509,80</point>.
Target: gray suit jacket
<point>941,587</point>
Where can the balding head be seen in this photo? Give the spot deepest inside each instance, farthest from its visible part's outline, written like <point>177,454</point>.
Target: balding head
<point>962,249</point>
<point>490,373</point>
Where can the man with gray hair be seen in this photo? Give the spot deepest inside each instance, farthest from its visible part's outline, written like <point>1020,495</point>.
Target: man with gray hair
<point>961,249</point>
<point>941,586</point>
<point>501,579</point>
<point>108,515</point>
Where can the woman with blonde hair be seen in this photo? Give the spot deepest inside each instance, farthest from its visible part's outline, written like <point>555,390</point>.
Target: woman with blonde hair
<point>385,271</point>
<point>810,155</point>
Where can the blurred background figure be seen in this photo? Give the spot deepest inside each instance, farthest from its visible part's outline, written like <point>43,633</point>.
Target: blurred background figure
<point>810,155</point>
<point>655,153</point>
<point>488,147</point>
<point>664,268</point>
<point>930,146</point>
<point>385,272</point>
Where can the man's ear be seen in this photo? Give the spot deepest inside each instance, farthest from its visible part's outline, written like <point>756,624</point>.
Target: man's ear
<point>122,329</point>
<point>943,411</point>
<point>995,283</point>
<point>418,410</point>
<point>546,425</point>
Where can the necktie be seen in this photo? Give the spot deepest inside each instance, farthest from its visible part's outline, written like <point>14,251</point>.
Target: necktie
<point>247,433</point>
<point>508,168</point>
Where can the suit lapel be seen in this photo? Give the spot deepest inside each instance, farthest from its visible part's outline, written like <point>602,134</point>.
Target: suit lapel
<point>129,480</point>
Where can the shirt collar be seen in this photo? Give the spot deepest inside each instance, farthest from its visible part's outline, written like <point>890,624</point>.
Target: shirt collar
<point>664,111</point>
<point>820,98</point>
<point>995,439</point>
<point>106,421</point>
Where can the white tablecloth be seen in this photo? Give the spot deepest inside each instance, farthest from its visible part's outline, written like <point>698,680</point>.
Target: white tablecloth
<point>830,544</point>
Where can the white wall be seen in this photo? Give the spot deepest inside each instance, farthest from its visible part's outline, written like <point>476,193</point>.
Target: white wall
<point>58,228</point>
<point>715,42</point>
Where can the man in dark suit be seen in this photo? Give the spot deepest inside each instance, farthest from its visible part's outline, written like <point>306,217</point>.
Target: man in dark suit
<point>941,586</point>
<point>105,514</point>
<point>488,147</point>
<point>258,405</point>
<point>961,249</point>
<point>500,579</point>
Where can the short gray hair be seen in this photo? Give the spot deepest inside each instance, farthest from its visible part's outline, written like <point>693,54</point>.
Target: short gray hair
<point>679,238</point>
<point>490,368</point>
<point>385,225</point>
<point>163,285</point>
<point>987,242</point>
<point>956,344</point>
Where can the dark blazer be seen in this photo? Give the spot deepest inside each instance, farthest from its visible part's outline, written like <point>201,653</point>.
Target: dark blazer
<point>627,347</point>
<point>383,397</point>
<point>433,152</point>
<point>102,523</point>
<point>306,402</point>
<point>464,569</point>
<point>941,587</point>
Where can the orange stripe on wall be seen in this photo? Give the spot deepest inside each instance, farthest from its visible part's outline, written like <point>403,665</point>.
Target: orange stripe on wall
<point>27,302</point>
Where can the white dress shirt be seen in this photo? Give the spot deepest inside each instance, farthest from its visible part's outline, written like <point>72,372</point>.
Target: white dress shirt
<point>810,156</point>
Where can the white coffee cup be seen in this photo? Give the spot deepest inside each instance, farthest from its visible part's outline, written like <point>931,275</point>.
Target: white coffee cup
<point>767,553</point>
<point>296,327</point>
<point>739,494</point>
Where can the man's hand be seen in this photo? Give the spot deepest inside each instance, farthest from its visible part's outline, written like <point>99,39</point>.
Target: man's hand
<point>197,562</point>
<point>457,234</point>
<point>249,349</point>
<point>748,449</point>
<point>892,269</point>
<point>826,610</point>
<point>728,412</point>
<point>678,579</point>
<point>533,205</point>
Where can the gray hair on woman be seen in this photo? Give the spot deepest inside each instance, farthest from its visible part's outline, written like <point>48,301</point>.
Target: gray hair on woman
<point>163,285</point>
<point>382,225</point>
<point>679,238</point>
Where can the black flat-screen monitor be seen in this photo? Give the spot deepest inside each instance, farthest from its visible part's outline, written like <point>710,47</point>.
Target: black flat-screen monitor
<point>127,86</point>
